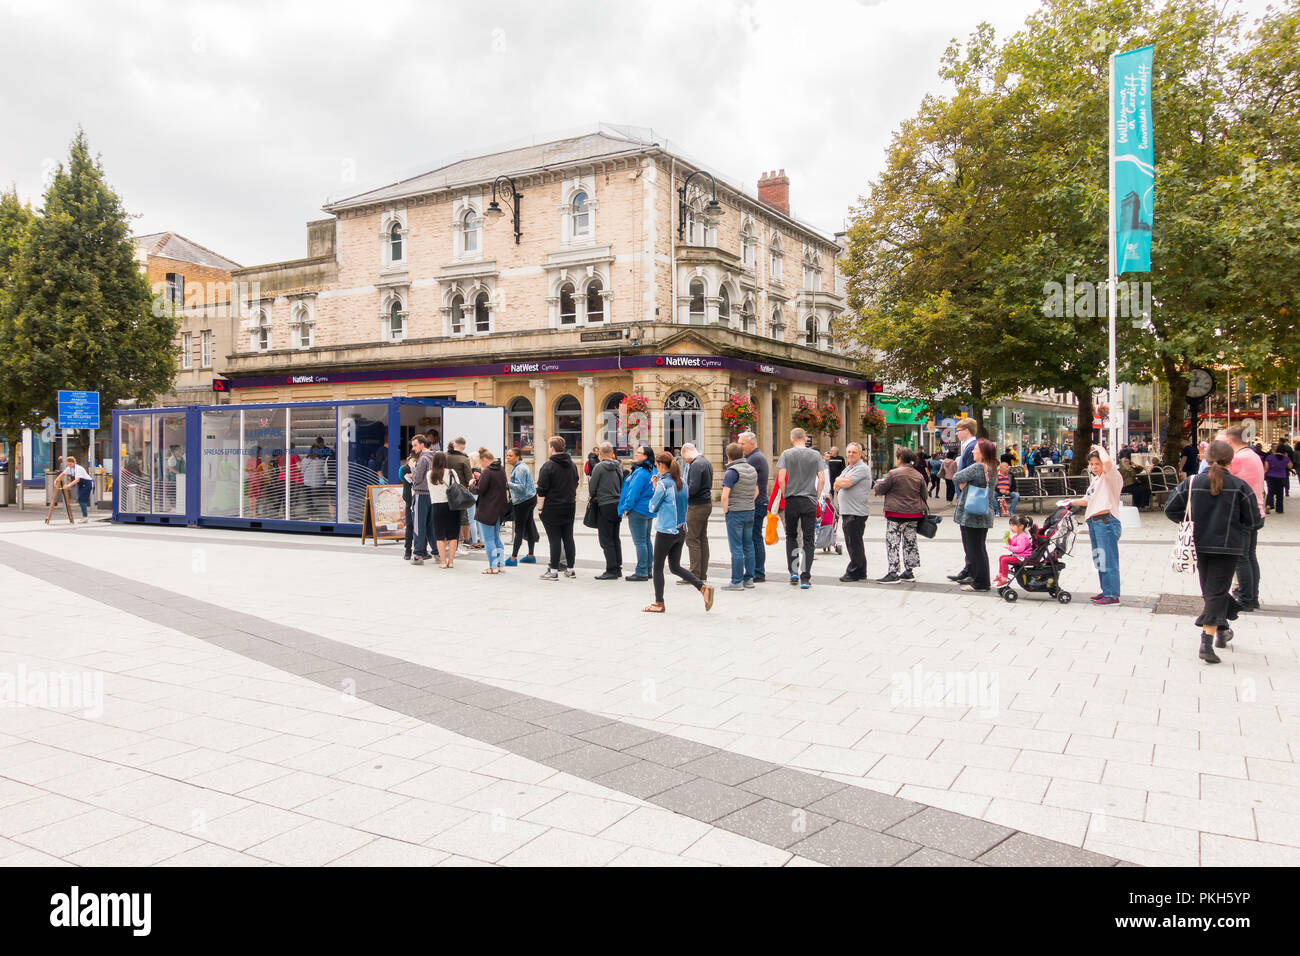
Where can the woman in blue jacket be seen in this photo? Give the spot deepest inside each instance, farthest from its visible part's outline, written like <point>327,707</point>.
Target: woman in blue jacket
<point>634,504</point>
<point>668,504</point>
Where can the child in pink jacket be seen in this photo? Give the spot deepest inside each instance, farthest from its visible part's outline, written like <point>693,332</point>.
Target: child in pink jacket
<point>1019,547</point>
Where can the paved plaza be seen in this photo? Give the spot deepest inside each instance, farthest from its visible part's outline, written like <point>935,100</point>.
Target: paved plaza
<point>203,697</point>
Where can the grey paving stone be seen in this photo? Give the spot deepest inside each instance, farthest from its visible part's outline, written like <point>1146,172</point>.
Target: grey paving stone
<point>951,832</point>
<point>531,707</point>
<point>492,698</point>
<point>303,666</point>
<point>448,685</point>
<point>671,751</point>
<point>589,761</point>
<point>866,808</point>
<point>485,725</point>
<point>792,787</point>
<point>928,857</point>
<point>776,824</point>
<point>393,694</point>
<point>543,744</point>
<point>843,844</point>
<point>642,779</point>
<point>347,678</point>
<point>619,736</point>
<point>704,800</point>
<point>571,721</point>
<point>1023,849</point>
<point>729,768</point>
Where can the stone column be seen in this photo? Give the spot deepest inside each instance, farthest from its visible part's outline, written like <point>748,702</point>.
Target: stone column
<point>539,419</point>
<point>590,418</point>
<point>773,416</point>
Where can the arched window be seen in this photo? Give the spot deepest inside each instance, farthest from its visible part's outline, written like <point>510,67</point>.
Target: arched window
<point>748,317</point>
<point>697,301</point>
<point>262,333</point>
<point>568,306</point>
<point>302,319</point>
<point>395,242</point>
<point>520,424</point>
<point>777,324</point>
<point>568,423</point>
<point>775,256</point>
<point>747,245</point>
<point>581,216</point>
<point>396,322</point>
<point>458,314</point>
<point>609,421</point>
<point>595,301</point>
<point>810,269</point>
<point>469,224</point>
<point>724,305</point>
<point>683,420</point>
<point>482,320</point>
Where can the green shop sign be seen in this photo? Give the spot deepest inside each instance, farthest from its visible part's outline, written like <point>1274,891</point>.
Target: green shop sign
<point>903,411</point>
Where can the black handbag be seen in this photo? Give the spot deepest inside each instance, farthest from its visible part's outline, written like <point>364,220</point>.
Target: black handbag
<point>459,497</point>
<point>927,526</point>
<point>591,517</point>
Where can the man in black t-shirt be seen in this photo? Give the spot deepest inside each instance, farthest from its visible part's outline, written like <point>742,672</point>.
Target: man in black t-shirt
<point>1188,462</point>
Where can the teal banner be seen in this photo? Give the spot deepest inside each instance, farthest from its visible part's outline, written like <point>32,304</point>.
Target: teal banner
<point>1132,202</point>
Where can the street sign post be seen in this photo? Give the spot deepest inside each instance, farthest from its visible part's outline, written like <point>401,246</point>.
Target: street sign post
<point>79,410</point>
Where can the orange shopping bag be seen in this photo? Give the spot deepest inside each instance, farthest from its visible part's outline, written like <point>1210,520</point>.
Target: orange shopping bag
<point>770,527</point>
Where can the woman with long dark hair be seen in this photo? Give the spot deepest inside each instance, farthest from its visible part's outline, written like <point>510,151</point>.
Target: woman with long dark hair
<point>634,504</point>
<point>975,519</point>
<point>446,522</point>
<point>668,504</point>
<point>1223,509</point>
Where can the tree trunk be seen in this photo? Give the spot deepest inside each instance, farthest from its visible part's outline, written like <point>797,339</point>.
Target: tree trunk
<point>977,404</point>
<point>1082,429</point>
<point>1176,426</point>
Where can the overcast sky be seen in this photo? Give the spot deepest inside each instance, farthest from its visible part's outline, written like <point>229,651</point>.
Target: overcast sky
<point>232,123</point>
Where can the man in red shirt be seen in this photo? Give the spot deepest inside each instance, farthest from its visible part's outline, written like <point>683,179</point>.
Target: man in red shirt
<point>1247,466</point>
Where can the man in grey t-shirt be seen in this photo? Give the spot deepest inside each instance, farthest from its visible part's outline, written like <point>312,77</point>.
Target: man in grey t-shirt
<point>801,476</point>
<point>854,487</point>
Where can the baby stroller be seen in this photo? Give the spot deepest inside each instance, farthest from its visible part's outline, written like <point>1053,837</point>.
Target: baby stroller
<point>1041,571</point>
<point>828,523</point>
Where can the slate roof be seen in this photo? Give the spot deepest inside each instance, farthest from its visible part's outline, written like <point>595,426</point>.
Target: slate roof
<point>171,245</point>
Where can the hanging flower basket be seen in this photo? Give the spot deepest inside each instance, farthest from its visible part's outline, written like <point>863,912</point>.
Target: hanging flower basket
<point>739,414</point>
<point>873,420</point>
<point>633,414</point>
<point>807,415</point>
<point>830,424</point>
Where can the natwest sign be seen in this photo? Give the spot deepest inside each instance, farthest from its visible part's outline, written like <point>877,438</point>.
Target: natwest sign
<point>688,361</point>
<point>516,368</point>
<point>306,379</point>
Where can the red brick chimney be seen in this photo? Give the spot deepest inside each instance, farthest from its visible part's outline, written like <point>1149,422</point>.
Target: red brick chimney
<point>774,189</point>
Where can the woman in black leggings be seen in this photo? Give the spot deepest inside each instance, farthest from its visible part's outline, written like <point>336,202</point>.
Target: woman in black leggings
<point>668,505</point>
<point>557,489</point>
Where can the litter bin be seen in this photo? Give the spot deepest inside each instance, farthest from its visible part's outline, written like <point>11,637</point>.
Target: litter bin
<point>50,477</point>
<point>101,498</point>
<point>4,489</point>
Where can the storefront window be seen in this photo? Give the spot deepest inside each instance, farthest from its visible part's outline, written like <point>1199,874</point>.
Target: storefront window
<point>568,424</point>
<point>221,479</point>
<point>683,421</point>
<point>609,421</point>
<point>313,463</point>
<point>264,463</point>
<point>520,422</point>
<point>135,494</point>
<point>362,431</point>
<point>169,464</point>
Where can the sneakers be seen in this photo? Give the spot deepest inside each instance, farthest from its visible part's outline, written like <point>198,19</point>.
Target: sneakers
<point>528,560</point>
<point>511,563</point>
<point>794,579</point>
<point>406,557</point>
<point>890,578</point>
<point>907,576</point>
<point>960,578</point>
<point>417,560</point>
<point>848,578</point>
<point>1105,601</point>
<point>805,585</point>
<point>760,578</point>
<point>748,583</point>
<point>549,575</point>
<point>570,573</point>
<point>733,586</point>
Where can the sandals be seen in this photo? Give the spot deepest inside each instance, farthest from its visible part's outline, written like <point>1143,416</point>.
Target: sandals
<point>707,593</point>
<point>656,608</point>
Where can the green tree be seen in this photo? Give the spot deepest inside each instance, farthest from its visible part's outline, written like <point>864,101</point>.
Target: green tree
<point>78,313</point>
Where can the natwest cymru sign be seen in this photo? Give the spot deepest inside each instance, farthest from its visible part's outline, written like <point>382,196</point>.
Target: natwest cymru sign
<point>605,363</point>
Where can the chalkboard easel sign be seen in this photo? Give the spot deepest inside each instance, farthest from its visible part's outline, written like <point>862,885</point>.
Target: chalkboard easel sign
<point>385,514</point>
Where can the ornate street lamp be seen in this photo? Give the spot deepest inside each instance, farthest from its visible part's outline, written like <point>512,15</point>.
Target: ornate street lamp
<point>512,200</point>
<point>714,208</point>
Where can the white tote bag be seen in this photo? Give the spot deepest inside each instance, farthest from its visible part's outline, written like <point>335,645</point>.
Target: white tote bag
<point>1183,560</point>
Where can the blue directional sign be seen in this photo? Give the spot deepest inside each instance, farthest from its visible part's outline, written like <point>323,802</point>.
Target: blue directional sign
<point>78,409</point>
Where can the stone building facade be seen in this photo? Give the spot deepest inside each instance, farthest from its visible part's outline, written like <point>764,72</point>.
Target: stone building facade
<point>608,290</point>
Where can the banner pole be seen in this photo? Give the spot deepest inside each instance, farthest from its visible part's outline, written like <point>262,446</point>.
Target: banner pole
<point>1112,391</point>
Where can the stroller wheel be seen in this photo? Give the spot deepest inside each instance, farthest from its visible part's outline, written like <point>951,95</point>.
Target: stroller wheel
<point>1063,597</point>
<point>1009,595</point>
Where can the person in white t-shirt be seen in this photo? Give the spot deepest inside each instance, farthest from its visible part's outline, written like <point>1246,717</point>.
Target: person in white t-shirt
<point>75,476</point>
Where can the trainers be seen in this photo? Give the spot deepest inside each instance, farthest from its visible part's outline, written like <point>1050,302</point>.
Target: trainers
<point>549,575</point>
<point>848,578</point>
<point>1105,601</point>
<point>890,578</point>
<point>907,576</point>
<point>794,579</point>
<point>570,573</point>
<point>528,560</point>
<point>748,582</point>
<point>417,560</point>
<point>406,557</point>
<point>760,578</point>
<point>511,563</point>
<point>733,586</point>
<point>805,585</point>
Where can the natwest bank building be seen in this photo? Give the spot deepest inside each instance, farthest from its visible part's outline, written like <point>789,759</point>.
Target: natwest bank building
<point>594,292</point>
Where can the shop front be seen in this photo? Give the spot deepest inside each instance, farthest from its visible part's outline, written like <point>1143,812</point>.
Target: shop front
<point>1029,426</point>
<point>906,422</point>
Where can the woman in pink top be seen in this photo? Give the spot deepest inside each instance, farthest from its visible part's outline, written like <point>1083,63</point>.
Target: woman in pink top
<point>1102,502</point>
<point>1019,547</point>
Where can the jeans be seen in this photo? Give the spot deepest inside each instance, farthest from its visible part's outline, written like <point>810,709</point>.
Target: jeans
<point>760,542</point>
<point>974,542</point>
<point>475,535</point>
<point>697,541</point>
<point>1104,534</point>
<point>740,540</point>
<point>639,525</point>
<point>557,519</point>
<point>854,528</point>
<point>1012,505</point>
<point>669,547</point>
<point>410,526</point>
<point>950,488</point>
<point>1248,570</point>
<point>423,510</point>
<point>800,512</point>
<point>607,528</point>
<point>83,495</point>
<point>496,551</point>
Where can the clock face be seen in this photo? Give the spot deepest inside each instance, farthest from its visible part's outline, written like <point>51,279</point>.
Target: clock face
<point>1200,383</point>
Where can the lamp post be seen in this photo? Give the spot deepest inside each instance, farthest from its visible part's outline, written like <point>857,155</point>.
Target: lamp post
<point>714,208</point>
<point>494,210</point>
